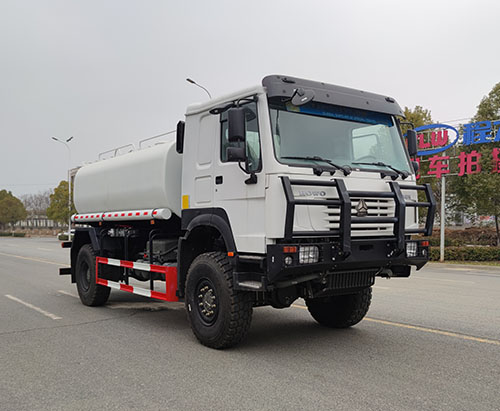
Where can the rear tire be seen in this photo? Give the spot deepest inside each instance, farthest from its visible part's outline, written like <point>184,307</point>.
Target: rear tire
<point>220,317</point>
<point>90,293</point>
<point>340,311</point>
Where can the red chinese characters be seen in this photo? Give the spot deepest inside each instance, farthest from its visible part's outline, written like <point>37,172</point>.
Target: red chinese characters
<point>439,165</point>
<point>495,154</point>
<point>469,163</point>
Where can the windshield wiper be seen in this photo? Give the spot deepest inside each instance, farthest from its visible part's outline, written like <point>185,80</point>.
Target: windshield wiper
<point>402,173</point>
<point>346,169</point>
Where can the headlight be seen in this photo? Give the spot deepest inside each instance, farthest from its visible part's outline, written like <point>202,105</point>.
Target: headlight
<point>411,249</point>
<point>308,254</point>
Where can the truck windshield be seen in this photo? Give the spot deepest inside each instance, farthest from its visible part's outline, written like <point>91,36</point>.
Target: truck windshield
<point>345,136</point>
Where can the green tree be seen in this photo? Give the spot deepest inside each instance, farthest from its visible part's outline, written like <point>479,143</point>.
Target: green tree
<point>480,193</point>
<point>489,107</point>
<point>11,209</point>
<point>58,209</point>
<point>419,116</point>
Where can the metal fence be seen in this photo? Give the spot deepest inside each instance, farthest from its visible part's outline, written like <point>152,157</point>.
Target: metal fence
<point>36,222</point>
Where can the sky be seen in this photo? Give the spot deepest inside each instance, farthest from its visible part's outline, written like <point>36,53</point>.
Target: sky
<point>112,72</point>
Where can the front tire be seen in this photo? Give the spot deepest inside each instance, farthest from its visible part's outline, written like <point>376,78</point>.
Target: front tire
<point>220,317</point>
<point>340,311</point>
<point>90,293</point>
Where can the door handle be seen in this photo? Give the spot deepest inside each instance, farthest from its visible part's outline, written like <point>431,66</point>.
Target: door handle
<point>218,180</point>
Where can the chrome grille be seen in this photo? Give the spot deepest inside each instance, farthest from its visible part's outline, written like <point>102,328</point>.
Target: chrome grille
<point>377,207</point>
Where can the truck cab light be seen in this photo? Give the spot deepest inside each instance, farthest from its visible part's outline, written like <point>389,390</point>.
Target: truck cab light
<point>411,249</point>
<point>308,254</point>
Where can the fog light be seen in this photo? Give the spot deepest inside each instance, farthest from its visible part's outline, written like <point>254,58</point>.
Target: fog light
<point>308,254</point>
<point>411,249</point>
<point>288,260</point>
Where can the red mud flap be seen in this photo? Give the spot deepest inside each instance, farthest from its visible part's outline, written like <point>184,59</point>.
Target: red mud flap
<point>170,279</point>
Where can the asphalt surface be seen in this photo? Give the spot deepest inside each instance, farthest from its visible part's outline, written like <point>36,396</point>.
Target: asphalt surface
<point>430,342</point>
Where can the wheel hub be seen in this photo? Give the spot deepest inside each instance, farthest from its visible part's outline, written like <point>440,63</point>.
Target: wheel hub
<point>207,301</point>
<point>86,278</point>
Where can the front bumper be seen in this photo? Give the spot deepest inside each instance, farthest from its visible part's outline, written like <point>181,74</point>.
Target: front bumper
<point>284,264</point>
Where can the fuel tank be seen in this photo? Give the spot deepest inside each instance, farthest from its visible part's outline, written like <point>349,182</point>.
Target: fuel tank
<point>144,179</point>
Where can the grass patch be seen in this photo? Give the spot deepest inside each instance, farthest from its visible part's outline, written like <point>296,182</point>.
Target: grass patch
<point>10,234</point>
<point>488,263</point>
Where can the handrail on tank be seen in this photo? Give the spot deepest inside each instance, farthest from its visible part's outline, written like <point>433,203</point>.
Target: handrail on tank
<point>151,138</point>
<point>115,150</point>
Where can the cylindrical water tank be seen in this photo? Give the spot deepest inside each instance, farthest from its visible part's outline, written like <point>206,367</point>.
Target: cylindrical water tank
<point>144,179</point>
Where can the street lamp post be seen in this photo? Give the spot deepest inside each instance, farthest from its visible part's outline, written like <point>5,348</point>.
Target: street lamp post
<point>200,86</point>
<point>65,142</point>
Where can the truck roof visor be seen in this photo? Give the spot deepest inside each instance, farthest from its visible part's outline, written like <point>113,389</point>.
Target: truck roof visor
<point>286,86</point>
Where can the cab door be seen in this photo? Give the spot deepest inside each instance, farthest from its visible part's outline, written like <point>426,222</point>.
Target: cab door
<point>242,200</point>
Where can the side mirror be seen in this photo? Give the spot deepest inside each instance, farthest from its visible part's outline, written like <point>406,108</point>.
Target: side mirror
<point>411,135</point>
<point>416,166</point>
<point>179,146</point>
<point>236,154</point>
<point>236,124</point>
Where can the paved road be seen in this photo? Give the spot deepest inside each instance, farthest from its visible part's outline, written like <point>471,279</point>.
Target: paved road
<point>430,342</point>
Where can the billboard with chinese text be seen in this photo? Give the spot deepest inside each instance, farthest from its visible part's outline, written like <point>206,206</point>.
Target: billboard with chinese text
<point>435,139</point>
